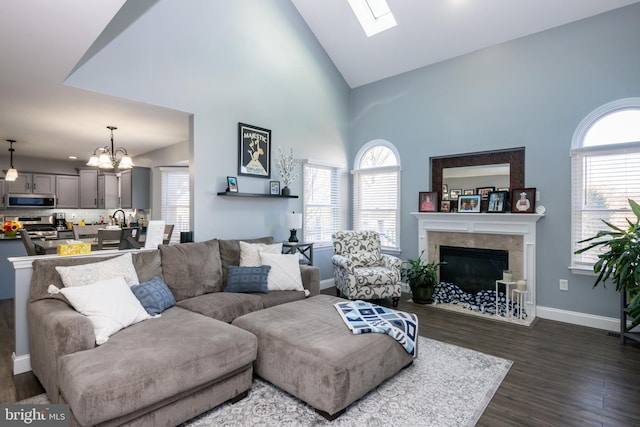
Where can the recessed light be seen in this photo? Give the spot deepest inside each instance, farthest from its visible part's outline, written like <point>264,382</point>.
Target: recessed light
<point>374,15</point>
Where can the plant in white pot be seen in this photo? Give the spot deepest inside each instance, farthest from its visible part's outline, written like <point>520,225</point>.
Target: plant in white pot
<point>287,165</point>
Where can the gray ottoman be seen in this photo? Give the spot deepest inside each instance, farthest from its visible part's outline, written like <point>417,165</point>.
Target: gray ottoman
<point>306,349</point>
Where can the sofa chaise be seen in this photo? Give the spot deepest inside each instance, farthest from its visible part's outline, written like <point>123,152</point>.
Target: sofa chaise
<point>160,371</point>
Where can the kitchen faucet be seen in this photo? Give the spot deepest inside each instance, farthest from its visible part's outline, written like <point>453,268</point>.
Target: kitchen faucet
<point>124,217</point>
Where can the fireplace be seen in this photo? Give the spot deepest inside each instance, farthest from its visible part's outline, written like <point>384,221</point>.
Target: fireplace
<point>472,269</point>
<point>514,233</point>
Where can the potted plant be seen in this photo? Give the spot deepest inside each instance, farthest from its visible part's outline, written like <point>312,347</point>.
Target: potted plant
<point>422,277</point>
<point>286,164</point>
<point>620,260</point>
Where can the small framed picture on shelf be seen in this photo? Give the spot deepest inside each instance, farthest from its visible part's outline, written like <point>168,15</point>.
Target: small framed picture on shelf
<point>484,192</point>
<point>497,201</point>
<point>469,192</point>
<point>274,188</point>
<point>523,200</point>
<point>445,188</point>
<point>469,203</point>
<point>445,206</point>
<point>428,201</point>
<point>454,194</point>
<point>232,184</point>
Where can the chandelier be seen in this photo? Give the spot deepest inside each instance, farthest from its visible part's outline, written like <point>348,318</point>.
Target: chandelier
<point>107,158</point>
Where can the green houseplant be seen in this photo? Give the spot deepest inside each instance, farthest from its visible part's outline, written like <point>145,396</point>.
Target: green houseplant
<point>422,277</point>
<point>619,260</point>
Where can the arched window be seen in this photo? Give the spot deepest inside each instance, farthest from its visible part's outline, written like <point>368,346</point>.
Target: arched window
<point>376,192</point>
<point>605,170</point>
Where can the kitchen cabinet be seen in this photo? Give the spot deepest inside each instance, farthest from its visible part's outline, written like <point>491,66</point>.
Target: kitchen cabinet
<point>135,188</point>
<point>3,195</point>
<point>33,184</point>
<point>88,188</point>
<point>67,195</point>
<point>108,191</point>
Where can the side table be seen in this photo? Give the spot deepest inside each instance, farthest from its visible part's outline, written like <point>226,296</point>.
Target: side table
<point>507,312</point>
<point>304,249</point>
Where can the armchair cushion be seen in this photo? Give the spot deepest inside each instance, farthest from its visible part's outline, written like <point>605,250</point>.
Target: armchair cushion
<point>366,259</point>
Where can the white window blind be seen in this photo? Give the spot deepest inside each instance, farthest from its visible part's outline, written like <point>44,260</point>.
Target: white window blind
<point>174,203</point>
<point>605,174</point>
<point>376,195</point>
<point>321,203</point>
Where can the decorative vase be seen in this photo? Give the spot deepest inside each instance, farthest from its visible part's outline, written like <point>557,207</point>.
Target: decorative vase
<point>10,233</point>
<point>286,191</point>
<point>422,295</point>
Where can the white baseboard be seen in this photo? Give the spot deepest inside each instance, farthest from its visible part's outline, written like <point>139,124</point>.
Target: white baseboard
<point>577,318</point>
<point>21,364</point>
<point>327,283</point>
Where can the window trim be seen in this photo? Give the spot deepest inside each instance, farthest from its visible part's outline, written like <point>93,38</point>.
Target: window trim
<point>397,168</point>
<point>578,151</point>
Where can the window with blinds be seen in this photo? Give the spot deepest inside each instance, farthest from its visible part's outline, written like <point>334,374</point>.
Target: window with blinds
<point>174,203</point>
<point>321,203</point>
<point>376,194</point>
<point>605,173</point>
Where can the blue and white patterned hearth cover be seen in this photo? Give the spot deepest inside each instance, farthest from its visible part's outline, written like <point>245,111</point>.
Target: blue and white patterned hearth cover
<point>363,317</point>
<point>483,301</point>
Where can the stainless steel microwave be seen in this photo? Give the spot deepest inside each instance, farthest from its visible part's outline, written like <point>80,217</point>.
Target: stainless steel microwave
<point>30,201</point>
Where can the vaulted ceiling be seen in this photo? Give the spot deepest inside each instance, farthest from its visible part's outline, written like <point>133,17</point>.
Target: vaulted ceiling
<point>42,41</point>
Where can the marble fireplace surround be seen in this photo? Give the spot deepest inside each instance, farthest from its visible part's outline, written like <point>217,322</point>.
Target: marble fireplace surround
<point>513,232</point>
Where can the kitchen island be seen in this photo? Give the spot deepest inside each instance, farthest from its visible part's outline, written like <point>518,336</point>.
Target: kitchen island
<point>9,247</point>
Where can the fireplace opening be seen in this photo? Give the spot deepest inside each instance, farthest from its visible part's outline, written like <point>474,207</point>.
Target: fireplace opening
<point>472,269</point>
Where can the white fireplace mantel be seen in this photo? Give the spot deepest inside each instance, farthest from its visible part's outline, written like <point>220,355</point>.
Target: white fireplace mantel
<point>488,223</point>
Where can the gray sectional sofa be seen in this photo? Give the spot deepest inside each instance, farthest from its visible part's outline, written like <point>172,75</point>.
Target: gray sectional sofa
<point>160,371</point>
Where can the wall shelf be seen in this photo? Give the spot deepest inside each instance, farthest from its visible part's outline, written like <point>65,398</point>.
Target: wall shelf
<point>272,196</point>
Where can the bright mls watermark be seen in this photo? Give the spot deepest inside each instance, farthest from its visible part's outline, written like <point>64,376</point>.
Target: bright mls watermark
<point>34,415</point>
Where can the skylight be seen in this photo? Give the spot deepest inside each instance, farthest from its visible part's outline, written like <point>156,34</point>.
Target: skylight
<point>374,15</point>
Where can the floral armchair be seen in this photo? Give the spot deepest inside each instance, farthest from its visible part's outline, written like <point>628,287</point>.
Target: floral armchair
<point>361,270</point>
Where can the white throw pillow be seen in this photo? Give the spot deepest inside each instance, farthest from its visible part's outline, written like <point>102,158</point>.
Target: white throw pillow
<point>285,272</point>
<point>110,305</point>
<point>250,252</point>
<point>79,275</point>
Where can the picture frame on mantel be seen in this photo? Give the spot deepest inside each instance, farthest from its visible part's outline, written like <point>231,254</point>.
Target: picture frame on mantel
<point>523,200</point>
<point>428,201</point>
<point>254,151</point>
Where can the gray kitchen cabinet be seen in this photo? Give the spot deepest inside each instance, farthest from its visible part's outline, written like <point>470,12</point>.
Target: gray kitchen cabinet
<point>3,195</point>
<point>88,188</point>
<point>67,194</point>
<point>32,183</point>
<point>135,188</point>
<point>108,191</point>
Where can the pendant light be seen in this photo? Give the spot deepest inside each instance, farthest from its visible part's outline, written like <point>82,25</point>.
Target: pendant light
<point>107,158</point>
<point>12,173</point>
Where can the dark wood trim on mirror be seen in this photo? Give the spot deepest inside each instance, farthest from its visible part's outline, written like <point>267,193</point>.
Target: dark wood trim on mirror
<point>513,156</point>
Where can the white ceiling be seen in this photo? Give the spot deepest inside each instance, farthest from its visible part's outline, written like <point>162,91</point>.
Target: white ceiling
<point>431,31</point>
<point>41,41</point>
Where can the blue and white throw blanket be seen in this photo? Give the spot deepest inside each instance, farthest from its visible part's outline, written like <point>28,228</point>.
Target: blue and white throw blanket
<point>362,317</point>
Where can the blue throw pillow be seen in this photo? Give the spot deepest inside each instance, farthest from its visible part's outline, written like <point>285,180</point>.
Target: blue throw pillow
<point>154,296</point>
<point>248,279</point>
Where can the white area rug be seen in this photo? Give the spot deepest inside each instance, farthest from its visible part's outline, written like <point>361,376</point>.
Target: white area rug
<point>445,386</point>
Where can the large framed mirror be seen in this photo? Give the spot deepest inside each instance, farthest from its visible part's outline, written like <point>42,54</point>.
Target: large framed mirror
<point>475,167</point>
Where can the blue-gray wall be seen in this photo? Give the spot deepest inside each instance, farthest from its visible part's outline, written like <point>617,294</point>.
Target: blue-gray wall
<point>250,61</point>
<point>255,61</point>
<point>532,92</point>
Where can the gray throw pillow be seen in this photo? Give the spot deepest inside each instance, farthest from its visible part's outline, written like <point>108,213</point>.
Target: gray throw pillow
<point>248,279</point>
<point>154,296</point>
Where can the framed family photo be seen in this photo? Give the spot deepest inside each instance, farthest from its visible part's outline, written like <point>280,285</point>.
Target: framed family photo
<point>469,203</point>
<point>484,191</point>
<point>274,187</point>
<point>523,200</point>
<point>428,201</point>
<point>232,184</point>
<point>445,206</point>
<point>254,151</point>
<point>497,201</point>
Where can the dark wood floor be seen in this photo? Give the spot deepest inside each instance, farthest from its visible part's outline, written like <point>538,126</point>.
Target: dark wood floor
<point>563,375</point>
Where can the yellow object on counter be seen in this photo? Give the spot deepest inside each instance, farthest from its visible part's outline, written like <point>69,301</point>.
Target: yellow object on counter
<point>80,248</point>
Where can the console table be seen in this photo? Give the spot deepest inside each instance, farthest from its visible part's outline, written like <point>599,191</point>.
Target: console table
<point>305,249</point>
